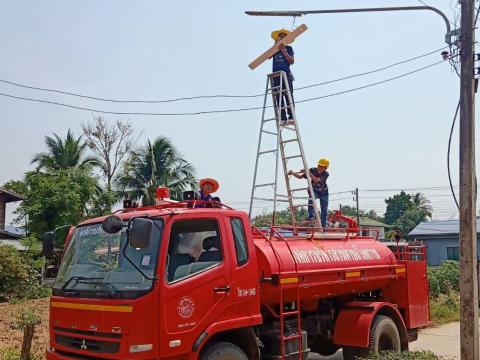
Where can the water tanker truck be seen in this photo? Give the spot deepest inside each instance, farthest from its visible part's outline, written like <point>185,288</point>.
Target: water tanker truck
<point>187,280</point>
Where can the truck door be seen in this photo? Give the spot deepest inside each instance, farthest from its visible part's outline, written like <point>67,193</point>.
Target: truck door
<point>196,289</point>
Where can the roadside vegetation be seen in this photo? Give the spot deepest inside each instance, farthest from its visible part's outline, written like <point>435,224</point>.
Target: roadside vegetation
<point>444,281</point>
<point>407,355</point>
<point>77,176</point>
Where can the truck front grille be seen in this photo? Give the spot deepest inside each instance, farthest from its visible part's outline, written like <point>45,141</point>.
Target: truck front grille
<point>92,345</point>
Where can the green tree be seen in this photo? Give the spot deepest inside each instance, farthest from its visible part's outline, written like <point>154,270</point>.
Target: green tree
<point>422,204</point>
<point>409,219</point>
<point>64,154</point>
<point>352,211</point>
<point>60,198</point>
<point>157,163</point>
<point>396,206</point>
<point>405,211</point>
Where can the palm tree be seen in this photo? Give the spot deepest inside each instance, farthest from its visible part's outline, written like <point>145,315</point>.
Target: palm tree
<point>153,165</point>
<point>62,154</point>
<point>422,204</point>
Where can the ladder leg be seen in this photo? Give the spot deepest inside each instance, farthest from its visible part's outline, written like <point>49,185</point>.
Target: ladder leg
<point>258,151</point>
<point>311,194</point>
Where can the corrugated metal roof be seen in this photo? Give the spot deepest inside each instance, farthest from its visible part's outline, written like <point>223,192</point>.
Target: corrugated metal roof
<point>14,243</point>
<point>368,222</point>
<point>11,196</point>
<point>9,235</point>
<point>438,227</point>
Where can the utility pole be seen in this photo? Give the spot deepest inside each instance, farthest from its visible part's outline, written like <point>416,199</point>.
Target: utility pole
<point>358,209</point>
<point>468,190</point>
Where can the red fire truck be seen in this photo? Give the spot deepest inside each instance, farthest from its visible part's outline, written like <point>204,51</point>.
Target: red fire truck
<point>183,280</point>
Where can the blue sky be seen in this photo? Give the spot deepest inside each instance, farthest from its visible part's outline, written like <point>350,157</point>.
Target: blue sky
<point>390,136</point>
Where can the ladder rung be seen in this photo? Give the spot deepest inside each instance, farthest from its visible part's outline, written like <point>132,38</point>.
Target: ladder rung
<point>299,189</point>
<point>269,119</point>
<point>269,132</point>
<point>289,141</point>
<point>290,313</point>
<point>293,157</point>
<point>291,337</point>
<point>267,151</point>
<point>266,184</point>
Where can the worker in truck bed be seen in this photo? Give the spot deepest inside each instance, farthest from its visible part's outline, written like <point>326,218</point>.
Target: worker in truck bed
<point>319,176</point>
<point>281,61</point>
<point>207,187</point>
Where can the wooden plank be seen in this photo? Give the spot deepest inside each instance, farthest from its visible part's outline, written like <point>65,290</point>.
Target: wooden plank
<point>273,50</point>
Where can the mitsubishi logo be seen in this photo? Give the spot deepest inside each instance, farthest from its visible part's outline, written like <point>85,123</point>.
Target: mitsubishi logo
<point>84,345</point>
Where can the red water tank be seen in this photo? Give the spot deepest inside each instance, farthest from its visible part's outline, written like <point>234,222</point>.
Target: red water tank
<point>326,267</point>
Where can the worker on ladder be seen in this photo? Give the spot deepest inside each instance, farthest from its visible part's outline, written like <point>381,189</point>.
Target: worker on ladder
<point>319,176</point>
<point>281,61</point>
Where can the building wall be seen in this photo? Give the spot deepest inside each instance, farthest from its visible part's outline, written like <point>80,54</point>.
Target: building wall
<point>437,249</point>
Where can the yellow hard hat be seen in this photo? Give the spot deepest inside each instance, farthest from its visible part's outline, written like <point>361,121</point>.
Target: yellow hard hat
<point>324,162</point>
<point>278,32</point>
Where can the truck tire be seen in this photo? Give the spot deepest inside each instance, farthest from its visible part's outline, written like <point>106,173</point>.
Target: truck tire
<point>223,351</point>
<point>384,336</point>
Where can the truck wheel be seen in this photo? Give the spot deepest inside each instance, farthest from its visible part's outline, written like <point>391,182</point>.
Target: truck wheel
<point>384,336</point>
<point>223,351</point>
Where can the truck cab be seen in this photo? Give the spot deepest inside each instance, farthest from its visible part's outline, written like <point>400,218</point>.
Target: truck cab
<point>159,285</point>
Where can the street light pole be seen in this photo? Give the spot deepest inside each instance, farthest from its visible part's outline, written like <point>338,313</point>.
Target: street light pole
<point>468,190</point>
<point>296,13</point>
<point>469,332</point>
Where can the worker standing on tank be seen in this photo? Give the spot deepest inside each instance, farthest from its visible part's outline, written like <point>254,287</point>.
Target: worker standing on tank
<point>319,176</point>
<point>281,61</point>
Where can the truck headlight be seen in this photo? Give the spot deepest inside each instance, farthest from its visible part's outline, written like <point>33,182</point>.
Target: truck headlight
<point>140,348</point>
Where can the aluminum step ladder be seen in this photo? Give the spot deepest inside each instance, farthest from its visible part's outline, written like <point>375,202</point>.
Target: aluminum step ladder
<point>281,139</point>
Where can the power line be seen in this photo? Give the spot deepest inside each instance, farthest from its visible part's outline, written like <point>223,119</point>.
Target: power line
<point>213,111</point>
<point>448,155</point>
<point>75,94</point>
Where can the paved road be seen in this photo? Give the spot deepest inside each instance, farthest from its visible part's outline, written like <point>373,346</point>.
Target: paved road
<point>443,340</point>
<point>337,356</point>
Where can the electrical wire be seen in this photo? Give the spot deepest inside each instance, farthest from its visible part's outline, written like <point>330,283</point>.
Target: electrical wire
<point>448,155</point>
<point>75,94</point>
<point>213,111</point>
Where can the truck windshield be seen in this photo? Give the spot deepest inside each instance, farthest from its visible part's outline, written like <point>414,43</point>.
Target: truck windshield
<point>94,265</point>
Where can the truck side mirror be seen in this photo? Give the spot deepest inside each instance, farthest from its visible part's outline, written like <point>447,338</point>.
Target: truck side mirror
<point>140,233</point>
<point>48,244</point>
<point>112,224</point>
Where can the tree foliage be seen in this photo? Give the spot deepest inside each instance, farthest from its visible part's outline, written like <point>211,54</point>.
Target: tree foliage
<point>62,154</point>
<point>155,164</point>
<point>59,198</point>
<point>18,277</point>
<point>352,211</point>
<point>405,211</point>
<point>281,217</point>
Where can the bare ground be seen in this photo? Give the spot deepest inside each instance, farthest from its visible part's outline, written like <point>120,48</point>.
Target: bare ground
<point>13,338</point>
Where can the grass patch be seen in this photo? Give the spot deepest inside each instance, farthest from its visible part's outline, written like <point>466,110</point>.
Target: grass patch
<point>406,355</point>
<point>9,353</point>
<point>445,308</point>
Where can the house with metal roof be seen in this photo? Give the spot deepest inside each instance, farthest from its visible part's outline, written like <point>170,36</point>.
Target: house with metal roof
<point>441,238</point>
<point>9,235</point>
<point>373,227</point>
